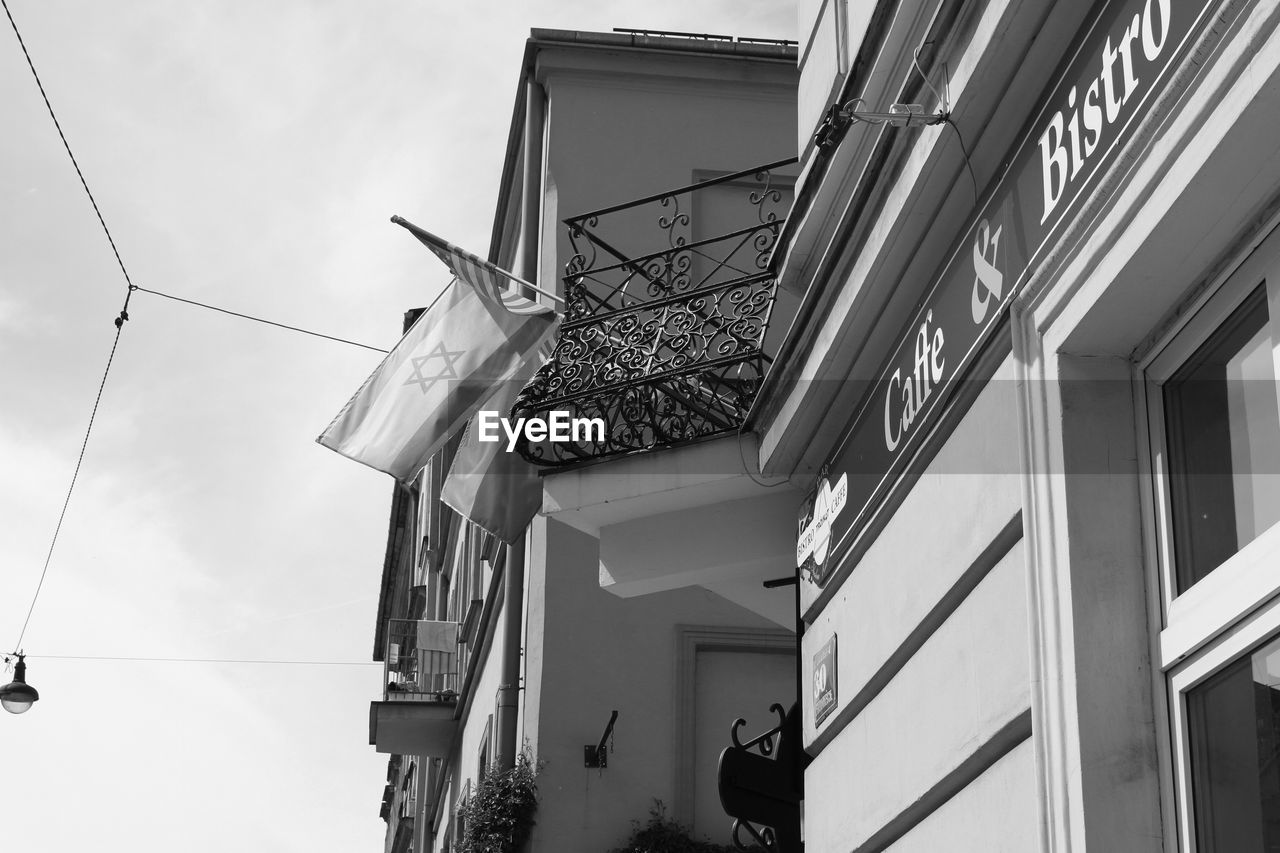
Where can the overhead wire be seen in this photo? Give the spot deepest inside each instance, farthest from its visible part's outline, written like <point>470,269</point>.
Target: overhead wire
<point>965,151</point>
<point>75,475</point>
<point>102,220</point>
<point>944,101</point>
<point>944,105</point>
<point>258,319</point>
<point>120,320</point>
<point>65,144</point>
<point>210,660</point>
<point>119,323</point>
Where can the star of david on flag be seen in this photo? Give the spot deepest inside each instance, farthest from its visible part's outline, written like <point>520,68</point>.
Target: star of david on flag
<point>478,334</point>
<point>444,370</point>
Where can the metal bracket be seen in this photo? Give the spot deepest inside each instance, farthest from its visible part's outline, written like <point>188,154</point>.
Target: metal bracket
<point>595,755</point>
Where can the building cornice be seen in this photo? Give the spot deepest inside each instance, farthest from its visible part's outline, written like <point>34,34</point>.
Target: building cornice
<point>590,48</point>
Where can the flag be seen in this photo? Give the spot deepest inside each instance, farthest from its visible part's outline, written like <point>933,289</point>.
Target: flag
<point>481,274</point>
<point>488,484</point>
<point>476,336</point>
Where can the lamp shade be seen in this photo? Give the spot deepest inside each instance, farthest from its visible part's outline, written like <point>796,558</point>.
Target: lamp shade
<point>17,696</point>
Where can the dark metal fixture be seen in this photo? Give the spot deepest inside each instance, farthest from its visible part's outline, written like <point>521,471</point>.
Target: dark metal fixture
<point>596,755</point>
<point>762,790</point>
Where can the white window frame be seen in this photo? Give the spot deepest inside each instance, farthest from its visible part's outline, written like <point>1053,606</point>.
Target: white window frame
<point>1236,607</point>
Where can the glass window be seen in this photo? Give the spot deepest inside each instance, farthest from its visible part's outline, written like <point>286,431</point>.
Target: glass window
<point>1212,404</point>
<point>1224,443</point>
<point>1234,724</point>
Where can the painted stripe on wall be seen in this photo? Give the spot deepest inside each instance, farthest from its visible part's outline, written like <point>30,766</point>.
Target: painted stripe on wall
<point>1004,541</point>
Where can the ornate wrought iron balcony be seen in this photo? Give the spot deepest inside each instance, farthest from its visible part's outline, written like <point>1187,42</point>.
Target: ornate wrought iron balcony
<point>668,300</point>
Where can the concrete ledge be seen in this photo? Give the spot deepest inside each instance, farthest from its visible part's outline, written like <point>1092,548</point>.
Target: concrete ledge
<point>412,728</point>
<point>634,487</point>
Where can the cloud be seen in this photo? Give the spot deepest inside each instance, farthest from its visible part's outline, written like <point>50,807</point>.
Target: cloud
<point>249,156</point>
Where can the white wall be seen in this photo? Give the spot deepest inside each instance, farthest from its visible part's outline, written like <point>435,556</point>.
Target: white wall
<point>932,652</point>
<point>732,685</point>
<point>594,653</point>
<point>621,126</point>
<point>1004,799</point>
<point>640,130</point>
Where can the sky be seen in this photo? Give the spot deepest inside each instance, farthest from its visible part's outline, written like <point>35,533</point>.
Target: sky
<point>246,155</point>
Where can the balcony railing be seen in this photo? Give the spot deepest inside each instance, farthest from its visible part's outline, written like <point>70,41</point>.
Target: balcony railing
<point>421,661</point>
<point>668,300</point>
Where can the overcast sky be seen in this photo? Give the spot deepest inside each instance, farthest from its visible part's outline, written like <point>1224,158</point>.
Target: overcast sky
<point>249,155</point>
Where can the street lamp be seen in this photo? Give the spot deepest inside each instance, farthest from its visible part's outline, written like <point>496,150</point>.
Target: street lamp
<point>17,696</point>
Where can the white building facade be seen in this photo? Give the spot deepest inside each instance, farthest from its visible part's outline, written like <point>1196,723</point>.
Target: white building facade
<point>496,650</point>
<point>1033,379</point>
<point>995,394</point>
<point>1021,425</point>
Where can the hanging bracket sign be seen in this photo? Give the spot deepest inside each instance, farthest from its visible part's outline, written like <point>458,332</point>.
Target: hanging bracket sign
<point>816,519</point>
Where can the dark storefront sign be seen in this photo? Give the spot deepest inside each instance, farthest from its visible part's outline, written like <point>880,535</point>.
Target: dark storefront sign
<point>1123,61</point>
<point>825,695</point>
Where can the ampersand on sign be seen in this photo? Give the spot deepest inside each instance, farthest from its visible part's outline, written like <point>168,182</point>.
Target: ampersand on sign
<point>988,285</point>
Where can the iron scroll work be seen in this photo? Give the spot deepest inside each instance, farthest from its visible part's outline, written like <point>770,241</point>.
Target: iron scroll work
<point>665,345</point>
<point>762,790</point>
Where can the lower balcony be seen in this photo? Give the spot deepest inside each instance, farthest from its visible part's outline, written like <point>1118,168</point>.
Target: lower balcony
<point>416,714</point>
<point>695,515</point>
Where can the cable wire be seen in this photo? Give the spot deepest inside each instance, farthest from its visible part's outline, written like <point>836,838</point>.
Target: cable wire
<point>120,321</point>
<point>915,60</point>
<point>257,319</point>
<point>209,660</point>
<point>965,152</point>
<point>944,105</point>
<point>102,221</point>
<point>66,144</point>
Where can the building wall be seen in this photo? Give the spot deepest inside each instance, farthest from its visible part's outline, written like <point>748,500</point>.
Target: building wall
<point>593,653</point>
<point>611,123</point>
<point>832,33</point>
<point>1003,801</point>
<point>640,126</point>
<point>620,127</point>
<point>1188,229</point>
<point>730,684</point>
<point>478,732</point>
<point>1020,664</point>
<point>932,648</point>
<point>1017,667</point>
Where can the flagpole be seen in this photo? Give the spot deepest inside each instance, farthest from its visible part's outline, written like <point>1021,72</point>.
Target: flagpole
<point>536,289</point>
<point>429,238</point>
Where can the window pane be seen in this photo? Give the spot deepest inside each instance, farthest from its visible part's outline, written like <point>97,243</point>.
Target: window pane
<point>1224,443</point>
<point>1235,756</point>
